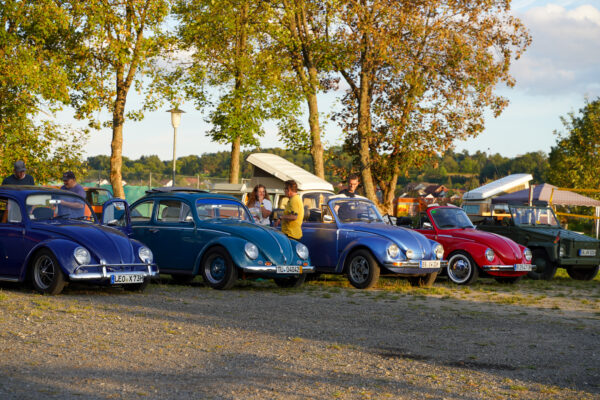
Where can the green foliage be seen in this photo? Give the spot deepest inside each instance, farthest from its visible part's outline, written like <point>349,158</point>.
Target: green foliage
<point>575,159</point>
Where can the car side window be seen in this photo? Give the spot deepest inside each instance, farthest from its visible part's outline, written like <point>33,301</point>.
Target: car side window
<point>173,211</point>
<point>142,212</point>
<point>10,213</point>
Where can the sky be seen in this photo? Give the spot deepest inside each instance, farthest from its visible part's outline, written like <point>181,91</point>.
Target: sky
<point>559,70</point>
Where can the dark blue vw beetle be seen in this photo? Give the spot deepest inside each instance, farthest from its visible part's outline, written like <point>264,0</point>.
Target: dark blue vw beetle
<point>193,232</point>
<point>51,237</point>
<point>348,235</point>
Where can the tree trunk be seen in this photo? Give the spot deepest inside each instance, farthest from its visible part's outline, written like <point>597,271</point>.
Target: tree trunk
<point>116,145</point>
<point>234,166</point>
<point>316,149</point>
<point>364,133</point>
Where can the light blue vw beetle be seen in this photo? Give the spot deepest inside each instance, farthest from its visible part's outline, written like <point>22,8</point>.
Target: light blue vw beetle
<point>349,236</point>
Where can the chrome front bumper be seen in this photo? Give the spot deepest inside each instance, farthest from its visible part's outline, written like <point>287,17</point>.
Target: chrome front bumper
<point>272,269</point>
<point>412,267</point>
<point>512,268</point>
<point>150,271</point>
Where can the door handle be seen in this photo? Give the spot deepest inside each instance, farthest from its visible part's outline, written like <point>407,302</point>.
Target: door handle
<point>153,230</point>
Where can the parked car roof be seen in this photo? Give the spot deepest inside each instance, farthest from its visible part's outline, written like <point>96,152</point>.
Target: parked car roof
<point>186,193</point>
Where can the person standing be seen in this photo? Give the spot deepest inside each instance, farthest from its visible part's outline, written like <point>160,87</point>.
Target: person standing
<point>20,176</point>
<point>352,182</point>
<point>293,214</point>
<point>72,208</point>
<point>260,206</point>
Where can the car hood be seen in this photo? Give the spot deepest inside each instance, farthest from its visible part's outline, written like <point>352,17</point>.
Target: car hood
<point>403,237</point>
<point>551,233</point>
<point>103,242</point>
<point>505,248</point>
<point>271,243</point>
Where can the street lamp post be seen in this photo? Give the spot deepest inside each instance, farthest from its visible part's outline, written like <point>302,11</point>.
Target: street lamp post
<point>175,120</point>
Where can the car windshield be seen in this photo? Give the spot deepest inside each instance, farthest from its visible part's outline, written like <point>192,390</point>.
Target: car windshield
<point>52,206</point>
<point>534,216</point>
<point>356,211</point>
<point>450,218</point>
<point>221,209</point>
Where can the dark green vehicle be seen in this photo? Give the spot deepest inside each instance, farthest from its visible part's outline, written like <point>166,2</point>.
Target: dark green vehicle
<point>552,246</point>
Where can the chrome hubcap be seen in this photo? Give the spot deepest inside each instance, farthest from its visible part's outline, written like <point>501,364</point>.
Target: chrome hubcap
<point>359,269</point>
<point>459,268</point>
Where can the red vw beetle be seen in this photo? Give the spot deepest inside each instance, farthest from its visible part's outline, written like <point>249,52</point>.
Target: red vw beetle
<point>470,252</point>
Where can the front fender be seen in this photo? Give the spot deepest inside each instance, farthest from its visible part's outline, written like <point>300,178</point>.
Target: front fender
<point>375,244</point>
<point>476,250</point>
<point>62,250</point>
<point>233,245</point>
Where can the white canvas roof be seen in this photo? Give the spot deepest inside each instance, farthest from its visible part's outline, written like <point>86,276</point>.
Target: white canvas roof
<point>284,170</point>
<point>502,185</point>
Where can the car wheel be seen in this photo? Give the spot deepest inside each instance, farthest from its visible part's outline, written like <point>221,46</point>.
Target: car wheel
<point>461,269</point>
<point>294,282</point>
<point>182,279</point>
<point>137,287</point>
<point>544,268</point>
<point>423,281</point>
<point>46,275</point>
<point>362,269</point>
<point>508,279</point>
<point>218,270</point>
<point>582,274</point>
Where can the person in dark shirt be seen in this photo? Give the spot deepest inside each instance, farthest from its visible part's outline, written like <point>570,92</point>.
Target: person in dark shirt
<point>352,182</point>
<point>20,176</point>
<point>72,208</point>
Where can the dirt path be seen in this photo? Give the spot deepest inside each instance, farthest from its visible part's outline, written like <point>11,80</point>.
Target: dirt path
<point>260,342</point>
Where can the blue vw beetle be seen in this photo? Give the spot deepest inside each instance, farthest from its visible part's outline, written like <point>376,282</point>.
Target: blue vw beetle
<point>51,237</point>
<point>349,236</point>
<point>193,232</point>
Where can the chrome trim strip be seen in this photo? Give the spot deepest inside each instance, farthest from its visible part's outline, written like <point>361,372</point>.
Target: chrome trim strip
<point>6,279</point>
<point>273,269</point>
<point>279,245</point>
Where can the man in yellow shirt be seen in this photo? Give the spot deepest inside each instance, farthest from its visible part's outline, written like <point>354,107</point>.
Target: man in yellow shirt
<point>293,214</point>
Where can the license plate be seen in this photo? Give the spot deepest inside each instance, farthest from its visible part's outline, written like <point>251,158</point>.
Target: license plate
<point>522,267</point>
<point>587,252</point>
<point>120,279</point>
<point>289,269</point>
<point>430,264</point>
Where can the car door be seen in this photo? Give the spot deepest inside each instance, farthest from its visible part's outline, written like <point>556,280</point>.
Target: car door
<point>173,235</point>
<point>12,239</point>
<point>321,238</point>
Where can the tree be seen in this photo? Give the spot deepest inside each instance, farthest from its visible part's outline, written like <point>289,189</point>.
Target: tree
<point>35,39</point>
<point>575,158</point>
<point>224,39</point>
<point>120,41</point>
<point>421,75</point>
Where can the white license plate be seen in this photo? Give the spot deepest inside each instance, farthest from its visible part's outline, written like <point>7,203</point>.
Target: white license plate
<point>289,269</point>
<point>430,264</point>
<point>119,279</point>
<point>587,252</point>
<point>522,267</point>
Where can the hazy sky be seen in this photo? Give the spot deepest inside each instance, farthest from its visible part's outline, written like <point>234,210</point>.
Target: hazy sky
<point>556,73</point>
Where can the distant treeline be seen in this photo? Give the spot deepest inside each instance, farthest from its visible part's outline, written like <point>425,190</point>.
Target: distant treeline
<point>453,169</point>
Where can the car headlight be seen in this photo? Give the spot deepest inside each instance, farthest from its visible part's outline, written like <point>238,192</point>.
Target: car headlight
<point>439,251</point>
<point>527,254</point>
<point>302,251</point>
<point>393,251</point>
<point>145,255</point>
<point>251,250</point>
<point>489,254</point>
<point>82,256</point>
<point>561,251</point>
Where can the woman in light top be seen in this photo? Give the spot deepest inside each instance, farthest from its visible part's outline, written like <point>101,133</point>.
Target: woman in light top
<point>259,204</point>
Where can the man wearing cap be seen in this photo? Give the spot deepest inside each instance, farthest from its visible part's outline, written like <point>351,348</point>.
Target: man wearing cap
<point>74,209</point>
<point>20,177</point>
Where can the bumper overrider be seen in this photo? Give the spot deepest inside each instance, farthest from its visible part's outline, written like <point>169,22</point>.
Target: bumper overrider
<point>414,267</point>
<point>511,268</point>
<point>106,271</point>
<point>279,269</point>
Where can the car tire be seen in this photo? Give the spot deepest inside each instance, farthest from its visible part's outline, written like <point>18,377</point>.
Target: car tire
<point>582,274</point>
<point>423,281</point>
<point>137,287</point>
<point>294,282</point>
<point>218,270</point>
<point>461,269</point>
<point>362,269</point>
<point>182,279</point>
<point>508,280</point>
<point>46,275</point>
<point>544,268</point>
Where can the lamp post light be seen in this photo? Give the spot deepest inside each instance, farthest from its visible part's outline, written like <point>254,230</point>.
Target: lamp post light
<point>175,121</point>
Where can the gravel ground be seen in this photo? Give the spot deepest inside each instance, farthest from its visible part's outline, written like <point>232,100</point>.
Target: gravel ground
<point>260,342</point>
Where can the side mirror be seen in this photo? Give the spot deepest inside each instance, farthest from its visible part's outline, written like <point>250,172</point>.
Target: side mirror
<point>427,225</point>
<point>328,219</point>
